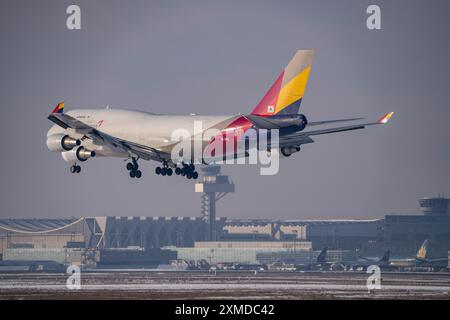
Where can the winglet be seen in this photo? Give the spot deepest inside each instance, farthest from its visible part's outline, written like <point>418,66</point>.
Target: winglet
<point>384,119</point>
<point>59,108</point>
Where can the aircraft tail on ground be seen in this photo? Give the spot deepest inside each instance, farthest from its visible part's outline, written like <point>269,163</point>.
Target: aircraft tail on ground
<point>286,94</point>
<point>385,258</point>
<point>322,257</point>
<point>422,253</point>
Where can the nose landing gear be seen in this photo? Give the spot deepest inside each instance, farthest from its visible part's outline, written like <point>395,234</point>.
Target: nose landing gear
<point>75,169</point>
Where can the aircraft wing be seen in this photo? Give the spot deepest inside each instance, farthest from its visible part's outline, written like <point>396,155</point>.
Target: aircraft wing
<point>316,123</point>
<point>303,137</point>
<point>436,260</point>
<point>100,138</point>
<point>366,259</point>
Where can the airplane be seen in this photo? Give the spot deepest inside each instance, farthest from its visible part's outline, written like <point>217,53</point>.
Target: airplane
<point>81,134</point>
<point>383,262</point>
<point>420,260</point>
<point>321,262</point>
<point>299,264</point>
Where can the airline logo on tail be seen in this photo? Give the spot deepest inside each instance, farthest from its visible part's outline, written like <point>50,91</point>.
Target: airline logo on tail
<point>285,95</point>
<point>385,257</point>
<point>322,257</point>
<point>59,108</point>
<point>422,253</point>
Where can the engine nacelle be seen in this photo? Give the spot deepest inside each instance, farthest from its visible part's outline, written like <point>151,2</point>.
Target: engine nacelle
<point>288,120</point>
<point>61,142</point>
<point>287,151</point>
<point>80,154</point>
<point>279,121</point>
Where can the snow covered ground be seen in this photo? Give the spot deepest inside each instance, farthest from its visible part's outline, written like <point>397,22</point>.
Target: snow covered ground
<point>226,285</point>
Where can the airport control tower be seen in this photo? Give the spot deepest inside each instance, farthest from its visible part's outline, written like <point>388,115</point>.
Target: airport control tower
<point>434,206</point>
<point>214,187</point>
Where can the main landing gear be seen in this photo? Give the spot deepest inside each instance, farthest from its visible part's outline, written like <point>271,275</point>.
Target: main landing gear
<point>75,169</point>
<point>188,170</point>
<point>165,170</point>
<point>133,167</point>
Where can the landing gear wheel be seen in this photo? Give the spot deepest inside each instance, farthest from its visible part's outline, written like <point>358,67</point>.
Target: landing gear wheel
<point>189,175</point>
<point>195,175</point>
<point>158,170</point>
<point>177,171</point>
<point>163,171</point>
<point>133,168</point>
<point>75,169</point>
<point>169,171</point>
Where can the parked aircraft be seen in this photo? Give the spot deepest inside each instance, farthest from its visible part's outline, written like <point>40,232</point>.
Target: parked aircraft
<point>420,260</point>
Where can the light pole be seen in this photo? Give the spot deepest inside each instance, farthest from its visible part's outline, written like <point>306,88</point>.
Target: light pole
<point>295,240</point>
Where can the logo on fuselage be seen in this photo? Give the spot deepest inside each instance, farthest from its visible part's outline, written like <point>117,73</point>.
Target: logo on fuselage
<point>271,109</point>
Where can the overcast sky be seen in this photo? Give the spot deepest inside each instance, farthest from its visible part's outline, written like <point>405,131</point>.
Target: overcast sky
<point>220,57</point>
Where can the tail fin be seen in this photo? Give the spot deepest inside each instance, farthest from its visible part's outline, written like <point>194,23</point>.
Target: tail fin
<point>322,257</point>
<point>59,108</point>
<point>385,257</point>
<point>385,119</point>
<point>285,95</point>
<point>422,253</point>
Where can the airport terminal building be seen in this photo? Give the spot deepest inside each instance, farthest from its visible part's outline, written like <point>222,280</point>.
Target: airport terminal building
<point>88,239</point>
<point>404,234</point>
<point>58,239</point>
<point>343,234</point>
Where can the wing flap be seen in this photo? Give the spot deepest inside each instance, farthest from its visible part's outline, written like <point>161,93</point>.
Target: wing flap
<point>66,121</point>
<point>334,130</point>
<point>290,141</point>
<point>317,123</point>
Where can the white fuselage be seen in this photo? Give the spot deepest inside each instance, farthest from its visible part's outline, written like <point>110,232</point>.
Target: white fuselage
<point>146,129</point>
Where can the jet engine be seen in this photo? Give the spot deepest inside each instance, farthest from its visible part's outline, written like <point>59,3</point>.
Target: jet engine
<point>297,121</point>
<point>61,142</point>
<point>287,151</point>
<point>80,154</point>
<point>283,121</point>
